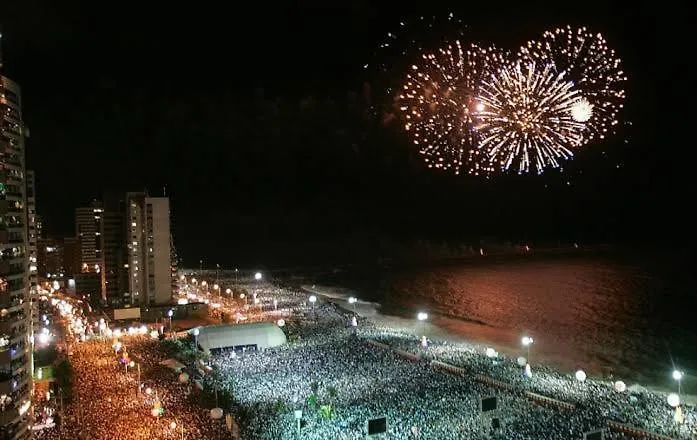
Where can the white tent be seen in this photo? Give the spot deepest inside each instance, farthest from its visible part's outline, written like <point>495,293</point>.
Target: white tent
<point>259,334</point>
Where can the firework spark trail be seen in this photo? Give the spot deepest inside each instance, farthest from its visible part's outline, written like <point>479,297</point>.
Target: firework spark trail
<point>592,65</point>
<point>527,118</point>
<point>478,110</point>
<point>437,103</point>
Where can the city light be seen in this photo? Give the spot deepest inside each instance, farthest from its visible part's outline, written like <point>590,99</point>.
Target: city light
<point>257,276</point>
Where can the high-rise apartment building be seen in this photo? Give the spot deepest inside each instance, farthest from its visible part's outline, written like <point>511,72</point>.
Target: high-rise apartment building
<point>148,245</point>
<point>88,224</point>
<point>15,345</point>
<point>115,256</point>
<point>32,231</point>
<point>49,257</point>
<point>72,256</point>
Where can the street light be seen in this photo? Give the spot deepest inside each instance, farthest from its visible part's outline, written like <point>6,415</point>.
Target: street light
<point>353,300</point>
<point>217,287</point>
<point>313,299</point>
<point>228,291</point>
<point>258,276</point>
<point>170,313</point>
<point>678,375</point>
<point>423,316</point>
<point>196,333</point>
<point>527,342</point>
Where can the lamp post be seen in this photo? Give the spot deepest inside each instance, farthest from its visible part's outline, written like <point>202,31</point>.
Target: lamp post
<point>527,342</point>
<point>352,300</point>
<point>196,333</point>
<point>678,375</point>
<point>217,287</point>
<point>313,299</point>
<point>423,316</point>
<point>228,291</point>
<point>258,276</point>
<point>170,312</point>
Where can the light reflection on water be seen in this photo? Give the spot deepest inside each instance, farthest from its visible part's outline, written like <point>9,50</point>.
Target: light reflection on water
<point>611,317</point>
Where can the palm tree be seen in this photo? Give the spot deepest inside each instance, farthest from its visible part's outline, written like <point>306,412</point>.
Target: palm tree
<point>331,393</point>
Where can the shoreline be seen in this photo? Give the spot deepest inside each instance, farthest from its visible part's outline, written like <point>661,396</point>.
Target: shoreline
<point>370,311</point>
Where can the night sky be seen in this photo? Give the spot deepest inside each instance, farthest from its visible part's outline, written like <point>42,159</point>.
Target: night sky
<point>255,118</point>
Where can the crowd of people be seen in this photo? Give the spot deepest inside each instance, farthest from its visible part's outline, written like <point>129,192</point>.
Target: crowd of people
<point>335,381</point>
<point>106,402</point>
<point>636,407</point>
<point>329,365</point>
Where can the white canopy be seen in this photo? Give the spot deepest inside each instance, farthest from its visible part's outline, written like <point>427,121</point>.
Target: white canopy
<point>261,334</point>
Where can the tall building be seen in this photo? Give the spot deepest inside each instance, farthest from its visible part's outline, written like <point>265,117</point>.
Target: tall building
<point>32,231</point>
<point>88,225</point>
<point>15,345</point>
<point>115,253</point>
<point>148,247</point>
<point>72,256</point>
<point>49,257</point>
<point>32,237</point>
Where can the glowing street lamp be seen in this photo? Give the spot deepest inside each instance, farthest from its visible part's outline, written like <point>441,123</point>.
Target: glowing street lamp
<point>228,291</point>
<point>678,375</point>
<point>423,316</point>
<point>527,341</point>
<point>258,276</point>
<point>353,300</point>
<point>196,333</point>
<point>313,300</point>
<point>170,313</point>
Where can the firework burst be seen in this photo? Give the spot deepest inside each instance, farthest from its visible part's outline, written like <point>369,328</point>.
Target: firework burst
<point>526,121</point>
<point>437,103</point>
<point>593,66</point>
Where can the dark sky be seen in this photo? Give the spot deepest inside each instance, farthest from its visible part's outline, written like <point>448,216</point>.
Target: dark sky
<point>254,118</point>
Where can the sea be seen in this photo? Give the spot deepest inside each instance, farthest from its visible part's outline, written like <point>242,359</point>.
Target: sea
<point>621,314</point>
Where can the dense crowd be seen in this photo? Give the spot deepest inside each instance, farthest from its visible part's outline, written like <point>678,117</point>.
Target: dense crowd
<point>106,404</point>
<point>637,407</point>
<point>328,371</point>
<point>326,364</point>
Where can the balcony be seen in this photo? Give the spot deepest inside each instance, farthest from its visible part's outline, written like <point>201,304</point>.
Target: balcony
<point>7,268</point>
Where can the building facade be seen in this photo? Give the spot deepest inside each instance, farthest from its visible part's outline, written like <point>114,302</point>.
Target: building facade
<point>32,230</point>
<point>148,249</point>
<point>115,260</point>
<point>15,325</point>
<point>49,257</point>
<point>88,225</point>
<point>72,254</point>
